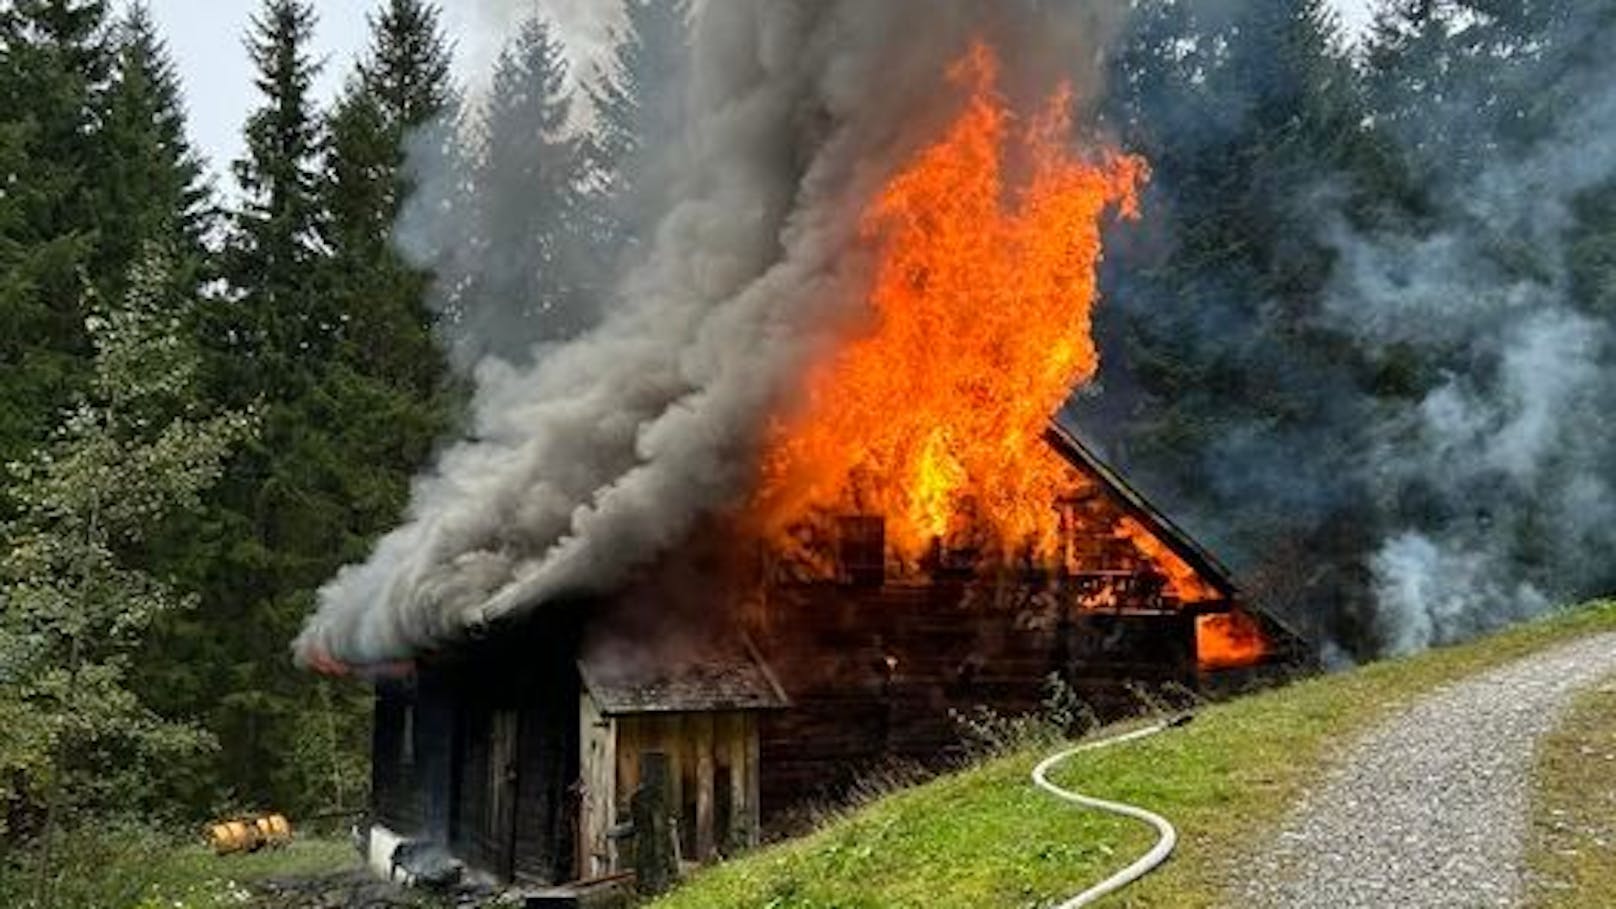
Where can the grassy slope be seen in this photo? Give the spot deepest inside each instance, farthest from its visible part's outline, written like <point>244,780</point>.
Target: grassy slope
<point>141,870</point>
<point>985,839</point>
<point>1573,835</point>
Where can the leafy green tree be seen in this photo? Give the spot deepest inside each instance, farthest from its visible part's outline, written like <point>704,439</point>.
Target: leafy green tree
<point>77,598</point>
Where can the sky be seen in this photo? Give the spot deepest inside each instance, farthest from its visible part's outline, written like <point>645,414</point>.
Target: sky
<point>205,37</point>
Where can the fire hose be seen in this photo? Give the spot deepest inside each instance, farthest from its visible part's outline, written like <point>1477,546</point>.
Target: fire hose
<point>1167,836</point>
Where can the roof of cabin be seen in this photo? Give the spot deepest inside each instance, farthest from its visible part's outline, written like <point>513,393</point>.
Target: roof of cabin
<point>1176,538</point>
<point>684,676</point>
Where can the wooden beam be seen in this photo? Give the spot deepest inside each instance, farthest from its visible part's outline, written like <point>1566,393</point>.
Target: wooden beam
<point>598,769</point>
<point>629,745</point>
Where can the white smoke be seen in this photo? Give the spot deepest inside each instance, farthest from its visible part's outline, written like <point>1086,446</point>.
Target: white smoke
<point>612,445</point>
<point>585,27</point>
<point>1516,435</point>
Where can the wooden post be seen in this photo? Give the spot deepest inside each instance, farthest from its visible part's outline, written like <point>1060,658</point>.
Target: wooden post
<point>598,769</point>
<point>742,811</point>
<point>655,856</point>
<point>706,844</point>
<point>754,798</point>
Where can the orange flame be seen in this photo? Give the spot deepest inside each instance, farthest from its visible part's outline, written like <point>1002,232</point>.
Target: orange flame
<point>1184,583</point>
<point>980,328</point>
<point>323,663</point>
<point>934,416</point>
<point>1231,640</point>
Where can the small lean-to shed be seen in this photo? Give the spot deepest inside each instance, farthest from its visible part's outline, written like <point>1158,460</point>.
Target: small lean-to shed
<point>697,703</point>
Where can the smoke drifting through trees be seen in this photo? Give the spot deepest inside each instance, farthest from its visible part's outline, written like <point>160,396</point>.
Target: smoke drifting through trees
<point>1370,352</point>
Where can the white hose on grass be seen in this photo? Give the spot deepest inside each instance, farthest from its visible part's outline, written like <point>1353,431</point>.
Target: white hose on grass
<point>1168,837</point>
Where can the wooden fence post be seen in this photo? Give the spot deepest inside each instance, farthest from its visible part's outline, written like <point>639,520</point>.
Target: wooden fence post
<point>655,855</point>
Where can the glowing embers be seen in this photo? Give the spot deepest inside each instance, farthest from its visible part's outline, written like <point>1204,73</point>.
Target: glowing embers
<point>933,413</point>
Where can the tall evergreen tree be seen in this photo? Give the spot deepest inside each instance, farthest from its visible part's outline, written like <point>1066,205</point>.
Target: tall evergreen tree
<point>401,91</point>
<point>636,102</point>
<point>331,334</point>
<point>1213,299</point>
<point>276,320</point>
<point>408,70</point>
<point>151,182</point>
<point>54,64</point>
<point>276,520</point>
<point>532,276</point>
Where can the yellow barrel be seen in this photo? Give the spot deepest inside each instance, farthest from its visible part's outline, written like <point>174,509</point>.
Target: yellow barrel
<point>230,837</point>
<point>274,829</point>
<point>249,834</point>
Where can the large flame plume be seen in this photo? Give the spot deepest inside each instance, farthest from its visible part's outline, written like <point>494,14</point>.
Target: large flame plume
<point>934,416</point>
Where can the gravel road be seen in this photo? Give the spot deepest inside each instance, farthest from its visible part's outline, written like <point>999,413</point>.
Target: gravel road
<point>1431,807</point>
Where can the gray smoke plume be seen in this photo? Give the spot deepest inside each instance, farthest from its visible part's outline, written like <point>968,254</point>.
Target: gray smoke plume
<point>1516,446</point>
<point>1404,444</point>
<point>609,446</point>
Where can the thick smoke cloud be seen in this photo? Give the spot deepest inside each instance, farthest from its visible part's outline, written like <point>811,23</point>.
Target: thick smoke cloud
<point>606,448</point>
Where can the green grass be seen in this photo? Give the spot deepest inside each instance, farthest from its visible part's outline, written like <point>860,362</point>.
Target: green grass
<point>983,838</point>
<point>139,869</point>
<point>1572,850</point>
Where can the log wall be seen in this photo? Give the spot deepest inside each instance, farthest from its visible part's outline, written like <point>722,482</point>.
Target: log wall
<point>874,673</point>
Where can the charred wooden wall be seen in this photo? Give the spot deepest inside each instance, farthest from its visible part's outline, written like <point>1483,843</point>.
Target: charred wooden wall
<point>396,795</point>
<point>481,753</point>
<point>516,756</point>
<point>873,673</point>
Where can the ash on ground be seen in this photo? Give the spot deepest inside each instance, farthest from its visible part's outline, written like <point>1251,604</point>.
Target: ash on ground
<point>358,890</point>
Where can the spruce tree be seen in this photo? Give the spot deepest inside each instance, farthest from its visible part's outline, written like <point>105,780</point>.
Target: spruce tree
<point>276,320</point>
<point>636,102</point>
<point>54,64</point>
<point>408,68</point>
<point>400,92</point>
<point>152,186</point>
<point>1214,318</point>
<point>337,346</point>
<point>278,519</point>
<point>533,275</point>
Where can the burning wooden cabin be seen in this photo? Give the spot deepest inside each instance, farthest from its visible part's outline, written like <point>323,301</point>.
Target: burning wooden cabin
<point>916,540</point>
<point>518,753</point>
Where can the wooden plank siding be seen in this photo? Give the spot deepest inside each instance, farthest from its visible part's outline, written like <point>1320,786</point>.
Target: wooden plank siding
<point>397,798</point>
<point>874,673</point>
<point>706,752</point>
<point>598,738</point>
